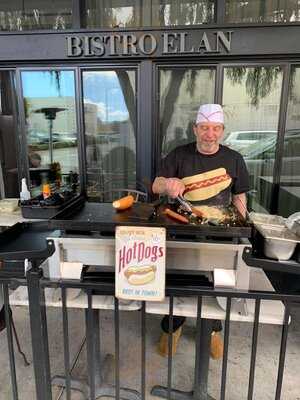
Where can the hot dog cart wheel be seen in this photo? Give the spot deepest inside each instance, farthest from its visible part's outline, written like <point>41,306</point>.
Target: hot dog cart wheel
<point>253,259</point>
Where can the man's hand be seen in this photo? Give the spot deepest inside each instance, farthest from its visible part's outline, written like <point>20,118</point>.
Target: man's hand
<point>172,187</point>
<point>240,202</point>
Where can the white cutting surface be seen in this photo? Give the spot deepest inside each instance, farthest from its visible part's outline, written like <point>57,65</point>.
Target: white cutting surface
<point>9,219</point>
<point>272,312</point>
<point>75,299</point>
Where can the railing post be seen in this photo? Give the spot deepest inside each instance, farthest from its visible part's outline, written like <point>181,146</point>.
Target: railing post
<point>39,335</point>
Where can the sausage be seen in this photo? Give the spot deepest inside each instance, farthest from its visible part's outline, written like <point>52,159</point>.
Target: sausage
<point>176,216</point>
<point>123,203</point>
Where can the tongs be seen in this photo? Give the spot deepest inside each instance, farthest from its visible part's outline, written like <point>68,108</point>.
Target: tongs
<point>185,204</point>
<point>188,206</point>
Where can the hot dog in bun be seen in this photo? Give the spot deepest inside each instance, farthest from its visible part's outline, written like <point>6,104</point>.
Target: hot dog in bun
<point>140,275</point>
<point>204,186</point>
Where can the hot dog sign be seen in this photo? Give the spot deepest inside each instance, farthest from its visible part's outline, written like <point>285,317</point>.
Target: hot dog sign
<point>140,263</point>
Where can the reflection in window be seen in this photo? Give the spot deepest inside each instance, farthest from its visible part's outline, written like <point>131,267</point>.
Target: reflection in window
<point>182,12</point>
<point>262,11</point>
<point>182,91</point>
<point>49,102</point>
<point>113,13</point>
<point>138,13</point>
<point>251,99</point>
<point>110,120</point>
<point>21,15</point>
<point>9,186</point>
<point>289,192</point>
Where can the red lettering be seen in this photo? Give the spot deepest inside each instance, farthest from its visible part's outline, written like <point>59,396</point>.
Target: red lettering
<point>148,252</point>
<point>128,256</point>
<point>160,252</point>
<point>141,250</point>
<point>122,258</point>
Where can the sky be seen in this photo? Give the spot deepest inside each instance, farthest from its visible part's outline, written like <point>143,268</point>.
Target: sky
<point>101,88</point>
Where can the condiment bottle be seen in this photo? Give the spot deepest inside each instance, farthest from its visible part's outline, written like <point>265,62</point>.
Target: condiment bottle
<point>24,194</point>
<point>46,190</point>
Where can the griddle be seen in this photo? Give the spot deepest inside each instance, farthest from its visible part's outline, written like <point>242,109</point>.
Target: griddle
<point>102,217</point>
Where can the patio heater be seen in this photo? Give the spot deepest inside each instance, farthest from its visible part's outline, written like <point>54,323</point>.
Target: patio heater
<point>50,115</point>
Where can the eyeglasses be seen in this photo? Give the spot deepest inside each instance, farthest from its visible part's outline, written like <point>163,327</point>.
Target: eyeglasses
<point>205,128</point>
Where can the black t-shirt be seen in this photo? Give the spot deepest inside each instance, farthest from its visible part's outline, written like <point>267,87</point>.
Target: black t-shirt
<point>209,179</point>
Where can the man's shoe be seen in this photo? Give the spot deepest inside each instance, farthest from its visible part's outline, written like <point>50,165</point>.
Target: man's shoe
<point>216,346</point>
<point>163,346</point>
<point>2,319</point>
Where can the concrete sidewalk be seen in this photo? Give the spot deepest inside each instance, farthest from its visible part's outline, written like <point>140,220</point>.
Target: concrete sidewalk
<point>156,366</point>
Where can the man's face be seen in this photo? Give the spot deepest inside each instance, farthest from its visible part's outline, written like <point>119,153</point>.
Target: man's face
<point>209,135</point>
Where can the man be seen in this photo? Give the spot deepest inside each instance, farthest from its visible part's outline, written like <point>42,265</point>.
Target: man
<point>192,163</point>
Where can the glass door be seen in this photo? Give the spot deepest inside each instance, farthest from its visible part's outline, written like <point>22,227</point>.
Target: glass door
<point>8,146</point>
<point>51,128</point>
<point>109,97</point>
<point>289,190</point>
<point>251,100</point>
<point>181,92</point>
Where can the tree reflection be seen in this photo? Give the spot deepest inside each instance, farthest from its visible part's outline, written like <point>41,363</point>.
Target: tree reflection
<point>185,12</point>
<point>258,80</point>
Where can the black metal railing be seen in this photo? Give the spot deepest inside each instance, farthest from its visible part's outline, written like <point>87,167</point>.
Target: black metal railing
<point>95,386</point>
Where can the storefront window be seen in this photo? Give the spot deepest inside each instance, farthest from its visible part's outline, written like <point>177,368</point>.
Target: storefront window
<point>139,13</point>
<point>110,130</point>
<point>182,12</point>
<point>23,15</point>
<point>289,191</point>
<point>9,186</point>
<point>49,102</point>
<point>113,13</point>
<point>251,99</point>
<point>238,11</point>
<point>182,91</point>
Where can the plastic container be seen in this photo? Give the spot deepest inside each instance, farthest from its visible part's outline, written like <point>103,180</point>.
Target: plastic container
<point>24,194</point>
<point>279,242</point>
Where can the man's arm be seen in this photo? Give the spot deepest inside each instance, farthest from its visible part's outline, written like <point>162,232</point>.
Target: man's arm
<point>172,187</point>
<point>240,202</point>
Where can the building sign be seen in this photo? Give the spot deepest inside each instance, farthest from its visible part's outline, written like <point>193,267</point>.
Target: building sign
<point>149,44</point>
<point>140,263</point>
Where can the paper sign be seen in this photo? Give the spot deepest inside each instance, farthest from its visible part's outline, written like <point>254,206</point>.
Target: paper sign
<point>140,263</point>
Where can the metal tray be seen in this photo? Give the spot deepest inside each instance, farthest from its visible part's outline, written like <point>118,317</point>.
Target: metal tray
<point>255,259</point>
<point>26,241</point>
<point>279,241</point>
<point>102,217</point>
<point>45,212</point>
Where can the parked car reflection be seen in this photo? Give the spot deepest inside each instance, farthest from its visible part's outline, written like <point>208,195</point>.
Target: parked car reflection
<point>261,155</point>
<point>240,139</point>
<point>43,138</point>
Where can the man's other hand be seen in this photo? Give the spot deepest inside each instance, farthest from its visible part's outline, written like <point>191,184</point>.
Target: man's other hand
<point>169,186</point>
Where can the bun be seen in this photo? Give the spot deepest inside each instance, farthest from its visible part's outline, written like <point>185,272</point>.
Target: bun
<point>140,275</point>
<point>204,186</point>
